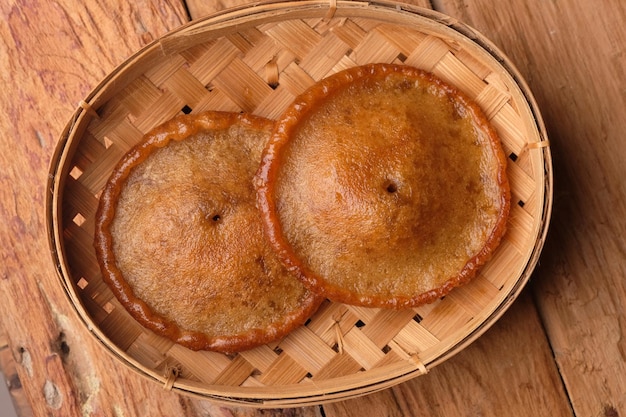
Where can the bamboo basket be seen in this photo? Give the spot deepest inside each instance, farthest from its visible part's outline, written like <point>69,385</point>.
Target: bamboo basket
<point>257,59</point>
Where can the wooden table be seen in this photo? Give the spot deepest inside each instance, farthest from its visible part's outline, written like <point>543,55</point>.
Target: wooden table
<point>559,351</point>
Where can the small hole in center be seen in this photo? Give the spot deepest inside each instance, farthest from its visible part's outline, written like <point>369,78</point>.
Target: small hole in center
<point>391,188</point>
<point>216,218</point>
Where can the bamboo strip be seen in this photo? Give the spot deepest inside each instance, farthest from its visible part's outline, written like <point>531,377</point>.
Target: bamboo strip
<point>491,99</point>
<point>329,315</point>
<point>340,365</point>
<point>475,298</point>
<point>523,186</point>
<point>362,349</point>
<point>285,370</point>
<point>295,36</point>
<point>349,32</point>
<point>235,373</point>
<point>123,332</point>
<point>261,357</point>
<point>206,67</point>
<point>80,200</point>
<point>520,226</point>
<point>374,48</point>
<point>324,56</point>
<point>428,53</point>
<point>204,367</point>
<point>452,70</point>
<point>403,38</point>
<point>89,151</point>
<point>217,100</point>
<point>262,52</point>
<point>414,338</point>
<point>242,85</point>
<point>478,67</point>
<point>392,356</point>
<point>95,175</point>
<point>188,88</point>
<point>503,267</point>
<point>134,98</point>
<point>386,325</point>
<point>268,107</point>
<point>445,319</point>
<point>507,123</point>
<point>310,351</point>
<point>124,135</point>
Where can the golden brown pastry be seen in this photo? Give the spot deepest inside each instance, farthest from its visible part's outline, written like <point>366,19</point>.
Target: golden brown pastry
<point>383,186</point>
<point>180,241</point>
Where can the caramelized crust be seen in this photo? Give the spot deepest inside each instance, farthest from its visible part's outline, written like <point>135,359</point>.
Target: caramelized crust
<point>180,241</point>
<point>382,186</point>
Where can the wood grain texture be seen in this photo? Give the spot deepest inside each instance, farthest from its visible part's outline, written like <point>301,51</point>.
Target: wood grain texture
<point>200,8</point>
<point>572,54</point>
<point>14,386</point>
<point>502,373</point>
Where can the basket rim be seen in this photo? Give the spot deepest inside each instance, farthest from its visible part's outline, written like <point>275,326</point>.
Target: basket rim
<point>280,10</point>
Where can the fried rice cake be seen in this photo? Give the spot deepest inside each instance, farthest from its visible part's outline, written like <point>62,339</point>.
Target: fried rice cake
<point>383,186</point>
<point>180,242</point>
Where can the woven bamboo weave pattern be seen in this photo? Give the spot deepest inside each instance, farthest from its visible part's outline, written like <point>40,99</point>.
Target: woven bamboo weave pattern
<point>261,68</point>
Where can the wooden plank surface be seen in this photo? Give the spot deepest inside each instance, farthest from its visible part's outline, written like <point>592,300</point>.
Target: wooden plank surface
<point>558,351</point>
<point>572,54</point>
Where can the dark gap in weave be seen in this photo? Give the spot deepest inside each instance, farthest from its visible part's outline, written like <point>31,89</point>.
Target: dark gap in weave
<point>359,324</point>
<point>402,57</point>
<point>187,12</point>
<point>513,157</point>
<point>186,109</point>
<point>521,203</point>
<point>386,349</point>
<point>417,318</point>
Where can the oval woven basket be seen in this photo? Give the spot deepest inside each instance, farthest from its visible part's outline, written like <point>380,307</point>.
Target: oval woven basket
<point>257,59</point>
